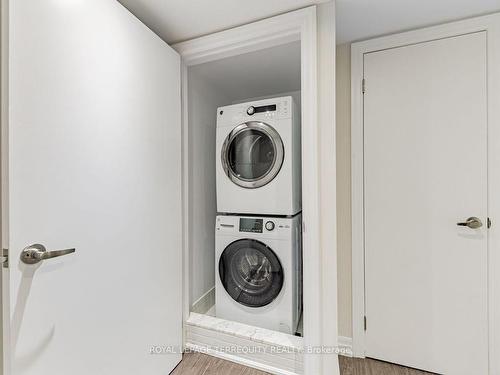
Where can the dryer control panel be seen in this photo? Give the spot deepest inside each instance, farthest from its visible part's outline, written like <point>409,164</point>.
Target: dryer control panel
<point>262,110</point>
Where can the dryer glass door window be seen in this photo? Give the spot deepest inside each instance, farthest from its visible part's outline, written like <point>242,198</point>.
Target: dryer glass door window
<point>251,273</point>
<point>252,154</point>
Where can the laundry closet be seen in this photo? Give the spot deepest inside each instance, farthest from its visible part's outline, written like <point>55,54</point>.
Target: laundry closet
<point>245,199</point>
<point>252,107</point>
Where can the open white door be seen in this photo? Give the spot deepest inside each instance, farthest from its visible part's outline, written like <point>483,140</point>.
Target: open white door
<point>94,141</point>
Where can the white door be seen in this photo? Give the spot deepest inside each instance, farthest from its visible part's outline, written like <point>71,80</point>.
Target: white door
<point>425,171</point>
<point>94,164</point>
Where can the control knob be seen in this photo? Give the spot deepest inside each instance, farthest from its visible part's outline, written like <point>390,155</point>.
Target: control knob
<point>270,225</point>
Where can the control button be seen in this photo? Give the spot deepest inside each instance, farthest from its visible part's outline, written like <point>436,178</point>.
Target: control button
<point>270,226</point>
<point>250,110</point>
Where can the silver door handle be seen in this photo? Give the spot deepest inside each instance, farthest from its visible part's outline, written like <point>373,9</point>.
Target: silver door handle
<point>34,254</point>
<point>471,222</point>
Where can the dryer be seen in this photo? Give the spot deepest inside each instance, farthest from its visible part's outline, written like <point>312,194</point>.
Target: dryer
<point>258,158</point>
<point>258,271</point>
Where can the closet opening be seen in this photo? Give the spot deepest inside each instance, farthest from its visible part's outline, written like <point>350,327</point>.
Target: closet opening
<point>243,176</point>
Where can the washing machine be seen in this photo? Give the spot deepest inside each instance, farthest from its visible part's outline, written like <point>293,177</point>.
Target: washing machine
<point>258,271</point>
<point>258,162</point>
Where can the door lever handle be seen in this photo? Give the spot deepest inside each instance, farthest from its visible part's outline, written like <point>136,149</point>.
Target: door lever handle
<point>471,222</point>
<point>34,254</point>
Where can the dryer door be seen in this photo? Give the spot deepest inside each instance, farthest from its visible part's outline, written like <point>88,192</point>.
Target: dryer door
<point>252,154</point>
<point>251,273</point>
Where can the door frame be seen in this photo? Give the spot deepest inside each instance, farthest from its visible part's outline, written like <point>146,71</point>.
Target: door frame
<point>4,162</point>
<point>491,25</point>
<point>300,25</point>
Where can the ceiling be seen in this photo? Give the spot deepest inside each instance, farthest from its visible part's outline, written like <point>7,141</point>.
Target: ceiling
<point>363,19</point>
<point>179,20</point>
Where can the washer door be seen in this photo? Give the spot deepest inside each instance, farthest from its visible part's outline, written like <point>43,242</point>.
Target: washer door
<point>252,154</point>
<point>251,273</point>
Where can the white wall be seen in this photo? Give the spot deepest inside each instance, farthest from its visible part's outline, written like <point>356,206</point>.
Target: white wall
<point>264,72</point>
<point>344,189</point>
<point>203,102</point>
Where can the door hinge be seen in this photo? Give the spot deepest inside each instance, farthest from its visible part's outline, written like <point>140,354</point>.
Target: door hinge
<point>489,223</point>
<point>363,85</point>
<point>365,322</point>
<point>303,227</point>
<point>5,258</point>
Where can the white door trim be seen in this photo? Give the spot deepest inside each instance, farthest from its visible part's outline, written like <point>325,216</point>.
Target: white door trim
<point>490,24</point>
<point>294,26</point>
<point>4,215</point>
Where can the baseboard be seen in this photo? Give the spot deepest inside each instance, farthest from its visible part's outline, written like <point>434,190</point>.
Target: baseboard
<point>273,352</point>
<point>204,334</point>
<point>345,346</point>
<point>204,303</point>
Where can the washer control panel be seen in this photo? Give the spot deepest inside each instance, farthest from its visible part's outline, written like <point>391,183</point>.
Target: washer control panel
<point>249,224</point>
<point>254,227</point>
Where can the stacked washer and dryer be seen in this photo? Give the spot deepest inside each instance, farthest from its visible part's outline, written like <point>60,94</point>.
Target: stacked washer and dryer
<point>258,235</point>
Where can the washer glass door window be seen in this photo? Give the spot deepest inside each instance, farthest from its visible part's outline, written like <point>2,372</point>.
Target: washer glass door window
<point>251,273</point>
<point>252,154</point>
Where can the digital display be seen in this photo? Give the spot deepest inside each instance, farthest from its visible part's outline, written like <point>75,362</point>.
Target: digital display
<point>251,225</point>
<point>265,108</point>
